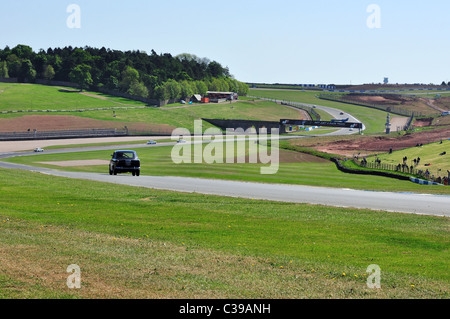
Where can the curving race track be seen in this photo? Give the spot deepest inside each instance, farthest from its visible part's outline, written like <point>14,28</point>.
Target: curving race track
<point>436,205</point>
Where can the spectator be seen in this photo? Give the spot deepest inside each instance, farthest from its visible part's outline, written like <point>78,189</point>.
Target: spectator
<point>364,162</point>
<point>404,167</point>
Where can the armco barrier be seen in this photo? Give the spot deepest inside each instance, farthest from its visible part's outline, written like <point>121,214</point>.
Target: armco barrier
<point>61,134</point>
<point>344,169</point>
<point>423,182</point>
<point>384,174</point>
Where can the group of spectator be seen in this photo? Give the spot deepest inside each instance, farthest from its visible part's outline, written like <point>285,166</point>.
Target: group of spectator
<point>440,180</point>
<point>405,168</point>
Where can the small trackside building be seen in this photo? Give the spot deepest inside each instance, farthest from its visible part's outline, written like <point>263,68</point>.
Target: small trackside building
<point>216,97</point>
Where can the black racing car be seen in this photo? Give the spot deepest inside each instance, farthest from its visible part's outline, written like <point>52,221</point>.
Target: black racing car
<point>125,162</point>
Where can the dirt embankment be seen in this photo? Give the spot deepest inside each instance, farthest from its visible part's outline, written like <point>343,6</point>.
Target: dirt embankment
<point>443,103</point>
<point>396,102</point>
<point>70,122</point>
<point>423,122</point>
<point>388,99</point>
<point>381,144</point>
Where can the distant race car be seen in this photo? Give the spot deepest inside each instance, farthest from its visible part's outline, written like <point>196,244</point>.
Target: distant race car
<point>181,141</point>
<point>151,142</point>
<point>38,150</point>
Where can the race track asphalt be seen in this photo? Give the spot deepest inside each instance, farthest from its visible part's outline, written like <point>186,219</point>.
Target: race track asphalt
<point>425,204</point>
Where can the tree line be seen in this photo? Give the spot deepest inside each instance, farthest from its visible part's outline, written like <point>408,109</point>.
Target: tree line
<point>155,76</point>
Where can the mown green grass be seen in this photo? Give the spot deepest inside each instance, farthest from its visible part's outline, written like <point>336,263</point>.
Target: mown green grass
<point>141,243</point>
<point>319,131</point>
<point>16,96</point>
<point>55,147</point>
<point>185,117</point>
<point>157,161</point>
<point>373,119</point>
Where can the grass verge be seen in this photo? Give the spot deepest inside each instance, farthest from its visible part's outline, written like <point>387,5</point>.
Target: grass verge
<point>142,243</point>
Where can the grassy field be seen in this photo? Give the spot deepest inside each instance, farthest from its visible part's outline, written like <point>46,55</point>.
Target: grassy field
<point>14,96</point>
<point>142,243</point>
<point>373,119</point>
<point>318,131</point>
<point>185,117</point>
<point>157,161</point>
<point>118,144</point>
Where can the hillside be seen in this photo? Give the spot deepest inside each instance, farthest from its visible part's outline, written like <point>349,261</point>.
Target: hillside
<point>417,105</point>
<point>64,108</point>
<point>154,76</point>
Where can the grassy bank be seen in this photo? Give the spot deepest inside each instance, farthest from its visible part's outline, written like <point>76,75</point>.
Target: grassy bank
<point>15,96</point>
<point>142,243</point>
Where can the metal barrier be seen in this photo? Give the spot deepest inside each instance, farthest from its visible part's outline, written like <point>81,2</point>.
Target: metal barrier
<point>60,134</point>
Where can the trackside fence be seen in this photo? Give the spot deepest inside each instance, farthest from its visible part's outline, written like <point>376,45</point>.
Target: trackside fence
<point>60,134</point>
<point>403,168</point>
<point>85,133</point>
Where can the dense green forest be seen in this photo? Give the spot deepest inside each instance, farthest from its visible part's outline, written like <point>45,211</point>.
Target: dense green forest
<point>156,76</point>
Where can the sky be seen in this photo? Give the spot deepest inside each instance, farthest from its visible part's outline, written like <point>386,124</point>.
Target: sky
<point>261,41</point>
